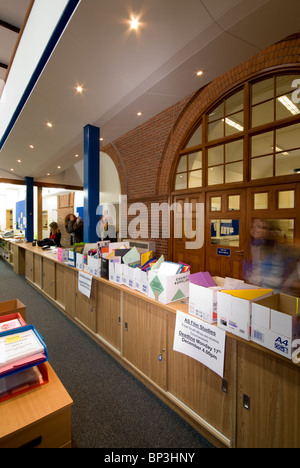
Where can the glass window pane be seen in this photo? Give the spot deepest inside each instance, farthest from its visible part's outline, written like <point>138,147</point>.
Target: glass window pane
<point>182,166</point>
<point>215,156</point>
<point>262,91</point>
<point>286,108</point>
<point>262,144</point>
<point>195,179</point>
<point>235,103</point>
<point>196,138</point>
<point>261,201</point>
<point>225,232</point>
<point>287,163</point>
<point>216,204</point>
<point>234,172</point>
<point>263,113</point>
<point>288,138</point>
<point>234,151</point>
<point>286,199</point>
<point>195,161</point>
<point>216,175</point>
<point>262,167</point>
<point>181,182</point>
<point>234,202</point>
<point>216,130</point>
<point>284,84</point>
<point>217,113</point>
<point>234,124</point>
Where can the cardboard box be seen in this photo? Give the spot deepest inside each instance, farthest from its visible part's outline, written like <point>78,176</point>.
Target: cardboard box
<point>80,261</point>
<point>167,289</point>
<point>141,280</point>
<point>72,258</point>
<point>235,310</point>
<point>94,265</point>
<point>276,323</point>
<point>13,306</point>
<point>62,255</point>
<point>203,300</point>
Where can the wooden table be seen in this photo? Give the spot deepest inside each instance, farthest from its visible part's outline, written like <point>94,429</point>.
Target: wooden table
<point>39,418</point>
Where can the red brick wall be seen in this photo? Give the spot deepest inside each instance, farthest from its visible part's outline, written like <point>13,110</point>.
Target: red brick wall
<point>145,156</point>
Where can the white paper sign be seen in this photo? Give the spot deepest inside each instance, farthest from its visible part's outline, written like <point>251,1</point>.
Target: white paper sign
<point>85,283</point>
<point>201,341</point>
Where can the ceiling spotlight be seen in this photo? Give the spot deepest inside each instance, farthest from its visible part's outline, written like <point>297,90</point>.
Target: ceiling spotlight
<point>134,23</point>
<point>199,73</point>
<point>79,89</point>
<point>19,161</point>
<point>48,174</point>
<point>76,155</point>
<point>139,114</point>
<point>31,146</point>
<point>49,124</point>
<point>12,170</point>
<point>58,167</point>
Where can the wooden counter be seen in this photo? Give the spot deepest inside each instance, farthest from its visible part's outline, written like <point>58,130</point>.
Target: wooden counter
<point>135,330</point>
<point>39,418</point>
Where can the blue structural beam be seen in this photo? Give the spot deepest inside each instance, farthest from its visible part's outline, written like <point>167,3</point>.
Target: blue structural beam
<point>91,182</point>
<point>29,231</point>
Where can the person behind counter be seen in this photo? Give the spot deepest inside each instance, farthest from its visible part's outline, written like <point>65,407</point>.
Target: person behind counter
<point>74,226</point>
<point>55,233</point>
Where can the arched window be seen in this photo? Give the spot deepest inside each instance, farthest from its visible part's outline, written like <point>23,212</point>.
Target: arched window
<point>252,134</point>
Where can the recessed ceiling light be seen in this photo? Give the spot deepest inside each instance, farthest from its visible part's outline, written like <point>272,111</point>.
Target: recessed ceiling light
<point>48,174</point>
<point>49,124</point>
<point>76,155</point>
<point>139,114</point>
<point>31,146</point>
<point>79,89</point>
<point>12,170</point>
<point>134,23</point>
<point>101,139</point>
<point>199,73</point>
<point>58,167</point>
<point>19,161</point>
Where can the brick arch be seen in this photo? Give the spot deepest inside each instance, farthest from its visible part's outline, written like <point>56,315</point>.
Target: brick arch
<point>282,54</point>
<point>114,154</point>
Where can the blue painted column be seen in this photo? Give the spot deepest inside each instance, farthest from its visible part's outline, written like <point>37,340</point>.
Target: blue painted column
<point>91,182</point>
<point>29,231</point>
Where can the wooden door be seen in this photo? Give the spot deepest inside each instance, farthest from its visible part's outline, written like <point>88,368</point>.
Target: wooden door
<point>71,279</point>
<point>145,338</point>
<point>109,314</point>
<point>49,278</point>
<point>9,219</point>
<point>273,232</point>
<point>29,270</point>
<point>225,233</point>
<point>86,308</point>
<point>268,408</point>
<point>188,218</point>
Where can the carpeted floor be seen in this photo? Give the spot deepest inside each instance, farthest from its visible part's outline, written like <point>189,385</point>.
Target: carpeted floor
<point>111,408</point>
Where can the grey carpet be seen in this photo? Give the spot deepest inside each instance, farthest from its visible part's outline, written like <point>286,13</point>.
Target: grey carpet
<point>111,408</point>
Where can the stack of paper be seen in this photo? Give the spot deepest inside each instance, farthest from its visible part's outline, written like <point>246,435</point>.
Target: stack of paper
<point>21,349</point>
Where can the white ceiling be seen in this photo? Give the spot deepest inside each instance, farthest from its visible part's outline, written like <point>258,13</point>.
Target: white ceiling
<point>12,14</point>
<point>125,71</point>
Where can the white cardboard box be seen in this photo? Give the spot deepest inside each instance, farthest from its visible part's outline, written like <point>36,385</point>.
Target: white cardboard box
<point>94,265</point>
<point>203,301</point>
<point>235,310</point>
<point>167,289</point>
<point>80,261</point>
<point>276,323</point>
<point>141,280</point>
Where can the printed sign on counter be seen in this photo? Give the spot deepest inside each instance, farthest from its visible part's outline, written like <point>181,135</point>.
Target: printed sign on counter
<point>201,341</point>
<point>85,283</point>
